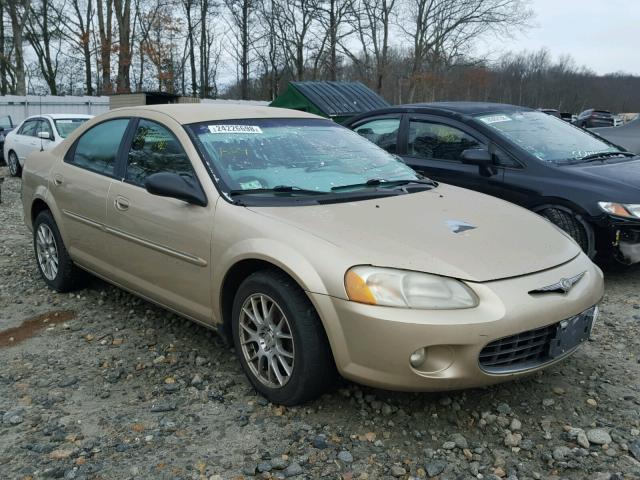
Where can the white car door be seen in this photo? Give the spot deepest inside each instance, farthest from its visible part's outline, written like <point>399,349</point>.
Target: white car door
<point>26,139</point>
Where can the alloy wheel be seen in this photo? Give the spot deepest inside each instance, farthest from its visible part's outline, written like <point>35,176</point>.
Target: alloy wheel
<point>47,252</point>
<point>266,340</point>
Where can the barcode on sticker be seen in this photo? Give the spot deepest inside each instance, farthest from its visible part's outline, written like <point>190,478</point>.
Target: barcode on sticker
<point>234,129</point>
<point>495,119</point>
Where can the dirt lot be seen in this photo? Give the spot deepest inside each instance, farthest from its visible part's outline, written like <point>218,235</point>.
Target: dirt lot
<point>102,385</point>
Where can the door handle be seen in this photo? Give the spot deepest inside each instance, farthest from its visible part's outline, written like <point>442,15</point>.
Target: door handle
<point>57,180</point>
<point>121,203</point>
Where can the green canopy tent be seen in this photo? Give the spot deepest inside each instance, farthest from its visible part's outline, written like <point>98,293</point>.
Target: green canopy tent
<point>338,101</point>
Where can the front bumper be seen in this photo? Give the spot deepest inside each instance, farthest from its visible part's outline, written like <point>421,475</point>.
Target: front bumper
<point>372,344</point>
<point>620,238</point>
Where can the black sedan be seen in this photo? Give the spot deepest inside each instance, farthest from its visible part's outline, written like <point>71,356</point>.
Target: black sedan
<point>586,186</point>
<point>595,118</point>
<point>6,125</point>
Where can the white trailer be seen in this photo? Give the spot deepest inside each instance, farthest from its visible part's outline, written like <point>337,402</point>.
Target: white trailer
<point>21,107</point>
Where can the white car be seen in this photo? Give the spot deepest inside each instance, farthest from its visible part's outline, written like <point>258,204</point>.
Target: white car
<point>39,132</point>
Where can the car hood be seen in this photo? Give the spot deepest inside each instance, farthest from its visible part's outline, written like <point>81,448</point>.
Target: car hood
<point>625,173</point>
<point>447,231</point>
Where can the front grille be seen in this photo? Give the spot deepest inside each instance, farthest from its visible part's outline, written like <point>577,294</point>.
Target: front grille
<point>518,352</point>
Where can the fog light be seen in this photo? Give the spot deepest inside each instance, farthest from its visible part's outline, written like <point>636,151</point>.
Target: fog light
<point>417,358</point>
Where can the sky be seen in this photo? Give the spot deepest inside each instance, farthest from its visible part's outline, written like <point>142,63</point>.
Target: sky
<point>599,34</point>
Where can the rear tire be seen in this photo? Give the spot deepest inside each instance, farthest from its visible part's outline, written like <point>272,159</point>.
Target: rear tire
<point>573,226</point>
<point>54,263</point>
<point>14,164</point>
<point>284,353</point>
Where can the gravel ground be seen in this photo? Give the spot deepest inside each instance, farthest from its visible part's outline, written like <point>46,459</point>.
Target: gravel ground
<point>102,385</point>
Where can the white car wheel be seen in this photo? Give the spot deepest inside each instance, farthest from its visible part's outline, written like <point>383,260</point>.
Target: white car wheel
<point>14,164</point>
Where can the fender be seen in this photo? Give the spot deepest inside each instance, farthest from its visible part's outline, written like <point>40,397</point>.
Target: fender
<point>268,250</point>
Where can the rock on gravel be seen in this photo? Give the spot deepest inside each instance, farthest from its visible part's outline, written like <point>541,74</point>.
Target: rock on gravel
<point>345,456</point>
<point>598,436</point>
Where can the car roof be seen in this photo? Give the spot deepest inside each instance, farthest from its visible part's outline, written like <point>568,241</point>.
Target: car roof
<point>468,108</point>
<point>194,113</point>
<point>56,116</point>
<point>445,108</point>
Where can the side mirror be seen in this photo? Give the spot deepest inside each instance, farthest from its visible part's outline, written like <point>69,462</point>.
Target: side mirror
<point>44,135</point>
<point>172,185</point>
<point>480,157</point>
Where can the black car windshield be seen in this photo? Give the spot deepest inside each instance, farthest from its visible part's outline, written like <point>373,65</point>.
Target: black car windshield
<point>294,157</point>
<point>548,138</point>
<point>65,126</point>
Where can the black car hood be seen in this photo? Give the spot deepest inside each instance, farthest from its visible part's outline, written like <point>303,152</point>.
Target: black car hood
<point>623,176</point>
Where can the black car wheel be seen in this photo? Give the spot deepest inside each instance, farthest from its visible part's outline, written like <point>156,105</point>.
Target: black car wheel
<point>54,263</point>
<point>280,339</point>
<point>580,231</point>
<point>14,164</point>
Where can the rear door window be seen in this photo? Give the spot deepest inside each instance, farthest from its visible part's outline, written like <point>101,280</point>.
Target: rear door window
<point>97,148</point>
<point>155,149</point>
<point>382,131</point>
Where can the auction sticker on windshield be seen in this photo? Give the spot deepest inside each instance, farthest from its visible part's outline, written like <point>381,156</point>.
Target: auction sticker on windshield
<point>495,119</point>
<point>234,129</point>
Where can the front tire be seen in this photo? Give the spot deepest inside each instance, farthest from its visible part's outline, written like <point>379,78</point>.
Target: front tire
<point>574,227</point>
<point>14,164</point>
<point>280,339</point>
<point>54,263</point>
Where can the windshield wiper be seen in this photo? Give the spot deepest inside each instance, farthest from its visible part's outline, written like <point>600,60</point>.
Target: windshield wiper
<point>276,189</point>
<point>601,155</point>
<point>377,182</point>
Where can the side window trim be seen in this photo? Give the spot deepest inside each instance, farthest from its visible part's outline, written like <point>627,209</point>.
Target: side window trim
<point>72,150</point>
<point>125,146</point>
<point>373,118</point>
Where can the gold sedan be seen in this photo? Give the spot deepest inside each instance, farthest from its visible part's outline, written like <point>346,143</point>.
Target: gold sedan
<point>315,251</point>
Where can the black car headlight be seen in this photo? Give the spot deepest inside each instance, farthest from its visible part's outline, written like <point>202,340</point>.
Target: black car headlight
<point>629,210</point>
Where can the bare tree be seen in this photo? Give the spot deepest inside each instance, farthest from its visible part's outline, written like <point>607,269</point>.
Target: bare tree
<point>4,55</point>
<point>334,15</point>
<point>293,24</point>
<point>209,57</point>
<point>242,14</point>
<point>440,28</point>
<point>105,26</point>
<point>122,11</point>
<point>18,13</point>
<point>372,24</point>
<point>43,32</point>
<point>189,8</point>
<point>79,25</point>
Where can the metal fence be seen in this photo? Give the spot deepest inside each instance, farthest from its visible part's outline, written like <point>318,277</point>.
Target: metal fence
<point>21,107</point>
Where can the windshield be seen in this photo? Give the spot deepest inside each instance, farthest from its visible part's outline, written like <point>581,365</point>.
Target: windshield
<point>309,156</point>
<point>547,137</point>
<point>65,126</point>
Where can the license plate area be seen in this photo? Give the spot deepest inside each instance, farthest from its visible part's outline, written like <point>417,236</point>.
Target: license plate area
<point>570,333</point>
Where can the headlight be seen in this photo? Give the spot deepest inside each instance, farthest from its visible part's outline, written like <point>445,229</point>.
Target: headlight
<point>404,288</point>
<point>621,209</point>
